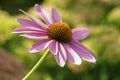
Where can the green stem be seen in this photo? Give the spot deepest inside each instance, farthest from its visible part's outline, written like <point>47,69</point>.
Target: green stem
<point>37,64</point>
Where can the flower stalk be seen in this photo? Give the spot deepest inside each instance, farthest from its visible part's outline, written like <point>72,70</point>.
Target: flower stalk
<point>37,64</point>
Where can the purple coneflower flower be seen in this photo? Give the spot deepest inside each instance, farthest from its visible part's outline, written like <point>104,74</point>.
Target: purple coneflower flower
<point>61,40</point>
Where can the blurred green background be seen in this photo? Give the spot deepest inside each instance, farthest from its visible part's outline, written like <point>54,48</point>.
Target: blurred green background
<point>102,17</point>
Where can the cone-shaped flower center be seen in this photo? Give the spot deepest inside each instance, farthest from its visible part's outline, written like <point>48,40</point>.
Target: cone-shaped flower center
<point>60,31</point>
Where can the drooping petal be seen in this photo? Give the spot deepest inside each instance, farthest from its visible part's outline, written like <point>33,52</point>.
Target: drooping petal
<point>61,56</point>
<point>40,45</point>
<point>28,23</point>
<point>72,55</point>
<point>60,60</point>
<point>63,51</point>
<point>55,16</point>
<point>80,33</point>
<point>83,52</point>
<point>54,47</point>
<point>35,20</point>
<point>44,14</point>
<point>35,35</point>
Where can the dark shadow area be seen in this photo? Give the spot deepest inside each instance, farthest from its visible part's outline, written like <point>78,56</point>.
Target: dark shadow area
<point>12,6</point>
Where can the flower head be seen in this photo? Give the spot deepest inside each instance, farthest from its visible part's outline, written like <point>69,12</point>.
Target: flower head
<point>61,40</point>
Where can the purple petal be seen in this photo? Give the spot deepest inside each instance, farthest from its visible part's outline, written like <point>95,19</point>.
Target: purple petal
<point>28,23</point>
<point>83,52</point>
<point>72,55</point>
<point>54,47</point>
<point>61,56</point>
<point>80,33</point>
<point>55,16</point>
<point>35,35</point>
<point>63,51</point>
<point>44,14</point>
<point>28,30</point>
<point>35,20</point>
<point>40,45</point>
<point>60,60</point>
<point>24,30</point>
